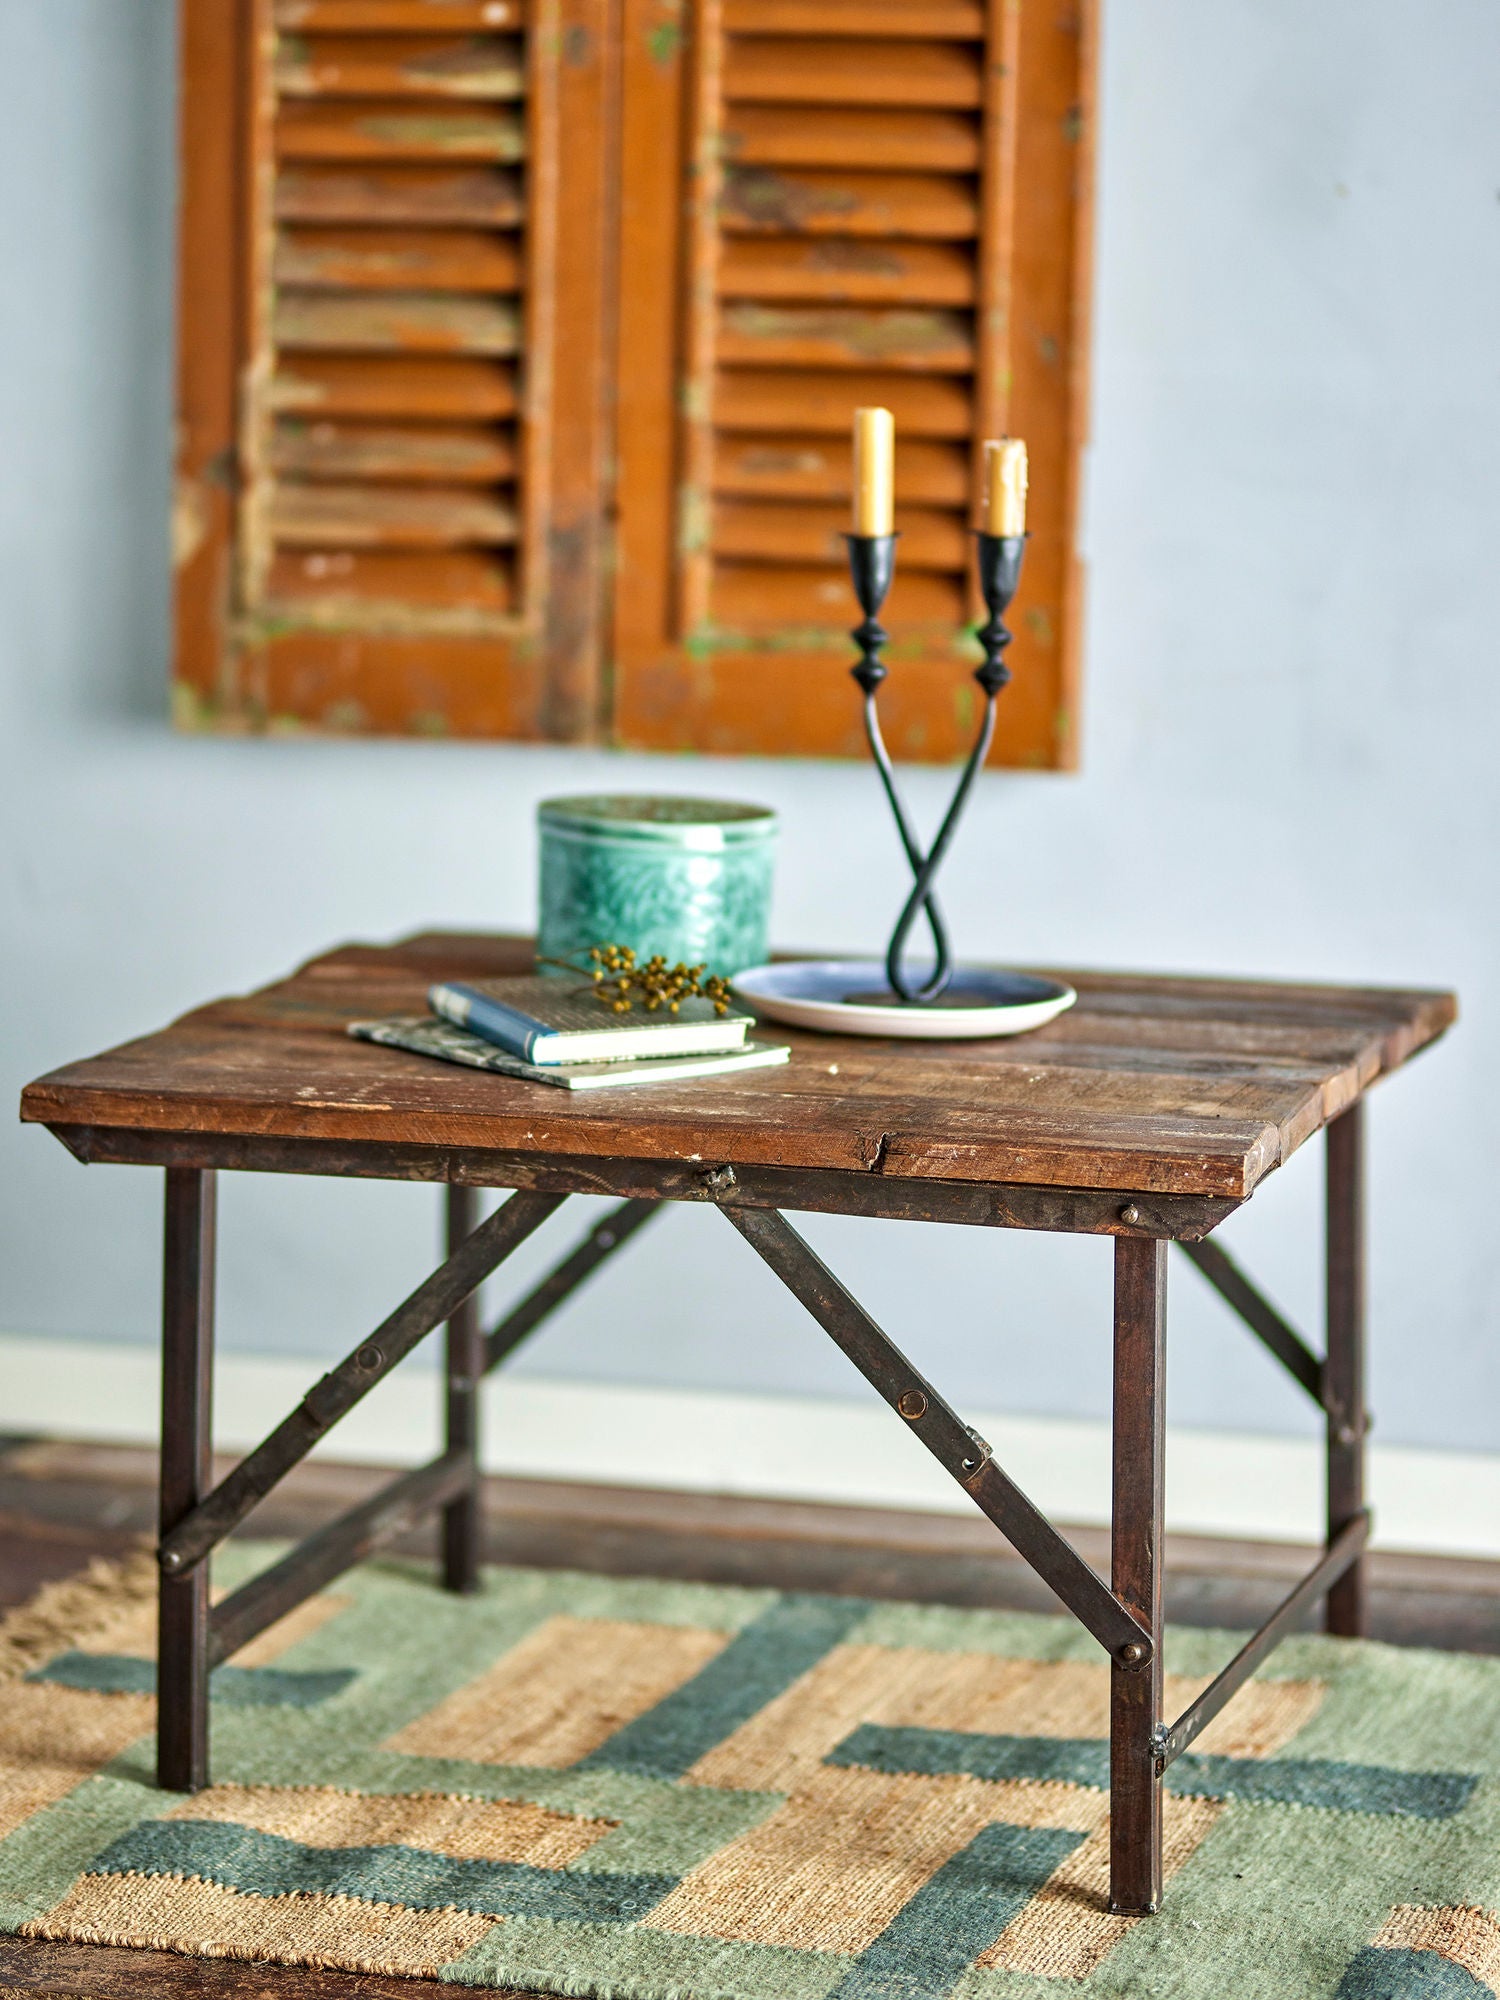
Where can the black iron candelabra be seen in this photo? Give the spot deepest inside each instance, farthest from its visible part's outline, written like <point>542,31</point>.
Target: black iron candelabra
<point>872,563</point>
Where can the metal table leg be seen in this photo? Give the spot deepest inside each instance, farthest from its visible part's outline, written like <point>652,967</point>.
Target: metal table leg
<point>465,1362</point>
<point>1345,1367</point>
<point>1136,1684</point>
<point>196,1516</point>
<point>186,1474</point>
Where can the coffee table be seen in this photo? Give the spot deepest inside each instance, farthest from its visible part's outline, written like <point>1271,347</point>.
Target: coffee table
<point>1148,1113</point>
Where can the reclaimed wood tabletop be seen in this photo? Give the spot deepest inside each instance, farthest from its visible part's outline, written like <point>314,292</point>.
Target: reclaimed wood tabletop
<point>1161,1084</point>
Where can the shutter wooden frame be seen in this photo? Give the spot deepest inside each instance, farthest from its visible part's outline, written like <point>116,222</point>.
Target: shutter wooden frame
<point>683,681</point>
<point>617,633</point>
<point>532,671</point>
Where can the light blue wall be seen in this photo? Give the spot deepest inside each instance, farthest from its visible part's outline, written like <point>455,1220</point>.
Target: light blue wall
<point>1290,736</point>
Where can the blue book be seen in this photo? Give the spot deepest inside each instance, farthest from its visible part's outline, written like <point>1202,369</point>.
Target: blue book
<point>544,1020</point>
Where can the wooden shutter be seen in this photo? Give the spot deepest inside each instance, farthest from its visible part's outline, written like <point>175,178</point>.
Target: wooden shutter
<point>389,496</point>
<point>869,201</point>
<point>519,341</point>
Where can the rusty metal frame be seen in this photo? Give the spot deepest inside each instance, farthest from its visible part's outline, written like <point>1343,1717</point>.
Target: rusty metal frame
<point>205,1525</point>
<point>195,1638</point>
<point>961,1452</point>
<point>607,1236</point>
<point>1336,1385</point>
<point>1342,1553</point>
<point>1275,1333</point>
<point>1124,1616</point>
<point>825,1190</point>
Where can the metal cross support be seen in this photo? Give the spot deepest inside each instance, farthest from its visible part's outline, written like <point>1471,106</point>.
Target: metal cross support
<point>1336,1384</point>
<point>959,1450</point>
<point>194,1520</point>
<point>1126,1620</point>
<point>1125,1616</point>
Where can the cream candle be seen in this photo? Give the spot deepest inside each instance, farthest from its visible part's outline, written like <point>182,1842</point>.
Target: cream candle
<point>874,471</point>
<point>1005,486</point>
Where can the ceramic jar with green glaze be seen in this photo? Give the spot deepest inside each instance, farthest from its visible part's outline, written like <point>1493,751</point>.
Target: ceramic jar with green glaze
<point>689,878</point>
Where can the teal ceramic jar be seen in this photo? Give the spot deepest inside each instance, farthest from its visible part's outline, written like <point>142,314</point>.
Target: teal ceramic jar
<point>689,878</point>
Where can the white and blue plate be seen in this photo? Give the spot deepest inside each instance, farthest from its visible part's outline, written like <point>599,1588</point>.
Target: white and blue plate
<point>851,996</point>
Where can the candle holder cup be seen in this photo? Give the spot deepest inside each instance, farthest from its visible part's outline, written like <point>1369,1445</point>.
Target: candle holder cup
<point>872,563</point>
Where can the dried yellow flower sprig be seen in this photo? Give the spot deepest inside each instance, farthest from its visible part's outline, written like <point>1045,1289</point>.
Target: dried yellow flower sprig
<point>620,983</point>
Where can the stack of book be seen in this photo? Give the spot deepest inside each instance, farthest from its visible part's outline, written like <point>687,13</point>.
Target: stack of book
<point>552,1031</point>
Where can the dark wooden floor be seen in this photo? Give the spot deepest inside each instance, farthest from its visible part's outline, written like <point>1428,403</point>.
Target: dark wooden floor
<point>62,1504</point>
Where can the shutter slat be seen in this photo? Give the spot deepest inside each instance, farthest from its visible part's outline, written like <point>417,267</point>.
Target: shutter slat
<point>774,135</point>
<point>817,202</point>
<point>848,225</point>
<point>747,399</point>
<point>846,337</point>
<point>396,195</point>
<point>768,70</point>
<point>335,583</point>
<point>393,130</point>
<point>397,274</point>
<point>784,531</point>
<point>448,454</point>
<point>963,20</point>
<point>449,260</point>
<point>821,468</point>
<point>304,516</point>
<point>395,16</point>
<point>837,268</point>
<point>403,322</point>
<point>356,386</point>
<point>781,599</point>
<point>489,67</point>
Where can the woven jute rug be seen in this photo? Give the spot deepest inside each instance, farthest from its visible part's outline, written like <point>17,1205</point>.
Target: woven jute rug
<point>666,1791</point>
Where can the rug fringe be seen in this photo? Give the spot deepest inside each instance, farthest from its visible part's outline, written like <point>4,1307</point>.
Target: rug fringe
<point>75,1611</point>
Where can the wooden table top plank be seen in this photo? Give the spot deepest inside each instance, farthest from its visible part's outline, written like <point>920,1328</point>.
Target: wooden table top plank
<point>1077,1039</point>
<point>1151,1083</point>
<point>1170,1010</point>
<point>1068,1068</point>
<point>254,1064</point>
<point>209,1084</point>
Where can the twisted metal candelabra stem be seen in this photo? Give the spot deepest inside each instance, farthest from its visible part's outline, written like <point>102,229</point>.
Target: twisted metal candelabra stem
<point>872,560</point>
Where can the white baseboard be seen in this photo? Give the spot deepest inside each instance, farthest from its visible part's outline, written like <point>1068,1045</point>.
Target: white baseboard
<point>791,1447</point>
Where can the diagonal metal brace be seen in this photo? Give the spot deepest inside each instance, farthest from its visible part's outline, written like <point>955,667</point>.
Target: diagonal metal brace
<point>959,1450</point>
<point>331,1549</point>
<point>436,1299</point>
<point>1342,1553</point>
<point>602,1241</point>
<point>1262,1318</point>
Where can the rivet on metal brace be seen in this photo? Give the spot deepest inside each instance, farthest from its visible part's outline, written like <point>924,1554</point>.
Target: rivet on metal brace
<point>718,1180</point>
<point>981,1455</point>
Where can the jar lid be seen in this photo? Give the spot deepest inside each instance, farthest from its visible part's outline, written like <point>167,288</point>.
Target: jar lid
<point>703,824</point>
